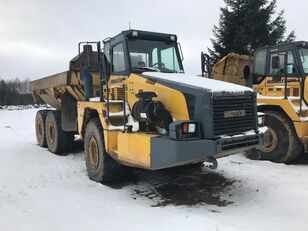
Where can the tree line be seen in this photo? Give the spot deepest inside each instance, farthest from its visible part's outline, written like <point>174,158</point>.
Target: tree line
<point>15,92</point>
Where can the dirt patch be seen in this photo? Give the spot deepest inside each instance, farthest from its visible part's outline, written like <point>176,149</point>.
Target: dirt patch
<point>187,185</point>
<point>190,185</point>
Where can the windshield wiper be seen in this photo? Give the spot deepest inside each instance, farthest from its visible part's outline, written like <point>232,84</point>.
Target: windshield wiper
<point>147,68</point>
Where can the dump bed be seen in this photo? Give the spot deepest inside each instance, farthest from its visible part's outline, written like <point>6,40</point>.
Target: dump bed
<point>50,89</point>
<point>231,68</point>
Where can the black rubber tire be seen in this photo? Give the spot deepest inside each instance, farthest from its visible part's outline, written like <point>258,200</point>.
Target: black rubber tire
<point>289,146</point>
<point>58,141</point>
<point>40,131</point>
<point>107,169</point>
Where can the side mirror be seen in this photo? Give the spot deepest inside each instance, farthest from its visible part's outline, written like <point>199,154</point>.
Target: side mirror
<point>291,68</point>
<point>202,64</point>
<point>181,53</point>
<point>206,67</point>
<point>275,62</point>
<point>106,67</point>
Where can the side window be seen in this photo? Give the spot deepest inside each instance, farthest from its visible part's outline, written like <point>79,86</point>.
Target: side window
<point>290,64</point>
<point>278,68</point>
<point>139,60</point>
<point>107,51</point>
<point>277,62</point>
<point>259,66</point>
<point>304,58</point>
<point>118,60</point>
<point>154,56</point>
<point>168,57</point>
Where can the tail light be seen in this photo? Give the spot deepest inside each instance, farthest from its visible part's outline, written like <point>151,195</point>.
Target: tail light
<point>188,128</point>
<point>181,130</point>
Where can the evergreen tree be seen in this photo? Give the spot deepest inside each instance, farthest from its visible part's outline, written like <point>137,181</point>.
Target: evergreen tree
<point>248,24</point>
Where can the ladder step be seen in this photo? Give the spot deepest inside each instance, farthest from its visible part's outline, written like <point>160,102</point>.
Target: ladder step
<point>130,122</point>
<point>117,114</point>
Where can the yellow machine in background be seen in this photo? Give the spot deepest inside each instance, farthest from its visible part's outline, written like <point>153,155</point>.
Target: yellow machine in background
<point>279,77</point>
<point>132,105</point>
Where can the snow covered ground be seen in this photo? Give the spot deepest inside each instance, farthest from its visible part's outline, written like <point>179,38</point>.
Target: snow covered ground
<point>42,191</point>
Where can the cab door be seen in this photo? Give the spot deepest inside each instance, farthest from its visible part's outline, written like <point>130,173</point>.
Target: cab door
<point>118,71</point>
<point>283,70</point>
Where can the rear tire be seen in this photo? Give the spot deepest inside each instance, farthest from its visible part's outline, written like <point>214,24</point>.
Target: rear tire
<point>285,145</point>
<point>58,141</point>
<point>101,167</point>
<point>40,131</point>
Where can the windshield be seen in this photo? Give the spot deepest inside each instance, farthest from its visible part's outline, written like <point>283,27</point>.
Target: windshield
<point>147,55</point>
<point>303,52</point>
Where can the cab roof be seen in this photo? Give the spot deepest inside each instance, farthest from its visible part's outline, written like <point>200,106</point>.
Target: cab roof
<point>295,43</point>
<point>147,35</point>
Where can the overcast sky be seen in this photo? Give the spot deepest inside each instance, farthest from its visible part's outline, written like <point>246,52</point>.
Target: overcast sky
<point>39,37</point>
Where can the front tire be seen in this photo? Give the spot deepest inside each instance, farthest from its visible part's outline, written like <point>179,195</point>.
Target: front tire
<point>285,145</point>
<point>101,167</point>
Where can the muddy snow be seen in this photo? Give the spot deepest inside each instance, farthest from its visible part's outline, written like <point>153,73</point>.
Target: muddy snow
<point>42,191</point>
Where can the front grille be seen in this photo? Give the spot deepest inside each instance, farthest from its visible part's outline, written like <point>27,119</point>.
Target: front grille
<point>231,125</point>
<point>239,143</point>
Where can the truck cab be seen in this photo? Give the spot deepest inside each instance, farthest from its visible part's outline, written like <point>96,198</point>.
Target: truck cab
<point>135,51</point>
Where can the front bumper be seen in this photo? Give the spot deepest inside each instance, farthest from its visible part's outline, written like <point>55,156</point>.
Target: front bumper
<point>166,152</point>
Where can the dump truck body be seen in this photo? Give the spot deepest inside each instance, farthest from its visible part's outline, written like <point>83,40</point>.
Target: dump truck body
<point>133,105</point>
<point>278,76</point>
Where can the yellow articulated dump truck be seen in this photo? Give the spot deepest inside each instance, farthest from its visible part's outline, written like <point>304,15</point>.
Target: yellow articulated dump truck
<point>278,77</point>
<point>132,105</point>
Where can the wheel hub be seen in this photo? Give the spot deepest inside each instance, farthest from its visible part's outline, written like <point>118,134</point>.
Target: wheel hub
<point>273,140</point>
<point>51,133</point>
<point>39,129</point>
<point>93,153</point>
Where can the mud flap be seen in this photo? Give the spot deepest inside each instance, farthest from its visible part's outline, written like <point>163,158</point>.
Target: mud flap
<point>68,112</point>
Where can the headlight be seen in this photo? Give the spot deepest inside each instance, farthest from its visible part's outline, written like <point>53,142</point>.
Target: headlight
<point>261,119</point>
<point>135,33</point>
<point>173,38</point>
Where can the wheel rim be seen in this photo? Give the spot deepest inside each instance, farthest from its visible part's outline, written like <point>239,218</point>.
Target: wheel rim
<point>93,153</point>
<point>39,129</point>
<point>273,140</point>
<point>51,133</point>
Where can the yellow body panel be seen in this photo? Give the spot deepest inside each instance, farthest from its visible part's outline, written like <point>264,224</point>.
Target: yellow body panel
<point>132,149</point>
<point>173,100</point>
<point>269,88</point>
<point>285,104</point>
<point>274,96</point>
<point>135,149</point>
<point>110,137</point>
<point>302,130</point>
<point>81,108</point>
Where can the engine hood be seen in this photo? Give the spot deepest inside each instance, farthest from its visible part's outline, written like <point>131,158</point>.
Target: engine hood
<point>203,95</point>
<point>196,82</point>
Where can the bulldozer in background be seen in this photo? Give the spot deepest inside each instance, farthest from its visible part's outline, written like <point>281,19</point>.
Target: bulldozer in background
<point>278,75</point>
<point>132,105</point>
